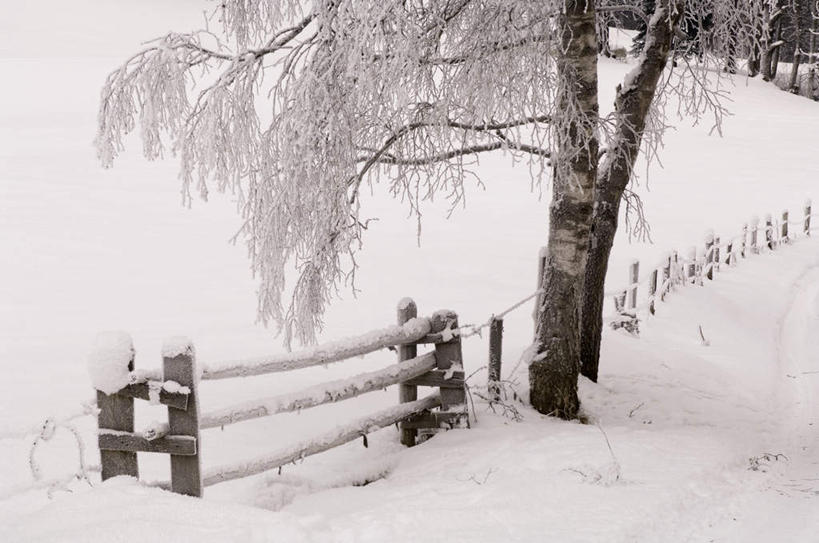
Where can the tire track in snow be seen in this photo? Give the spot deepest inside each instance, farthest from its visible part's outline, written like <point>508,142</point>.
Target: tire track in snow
<point>785,508</point>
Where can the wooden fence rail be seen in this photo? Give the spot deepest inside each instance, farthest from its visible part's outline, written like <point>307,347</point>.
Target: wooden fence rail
<point>355,430</point>
<point>441,368</point>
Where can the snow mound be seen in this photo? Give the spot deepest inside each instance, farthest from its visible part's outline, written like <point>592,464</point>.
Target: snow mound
<point>109,360</point>
<point>96,515</point>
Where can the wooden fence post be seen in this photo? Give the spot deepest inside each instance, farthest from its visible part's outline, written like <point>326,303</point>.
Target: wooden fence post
<point>620,302</point>
<point>179,364</point>
<point>116,412</point>
<point>744,239</point>
<point>807,217</point>
<point>679,277</point>
<point>716,253</point>
<point>634,276</point>
<point>691,276</point>
<point>652,290</point>
<point>755,235</point>
<point>495,357</point>
<point>407,393</point>
<point>784,230</point>
<point>666,285</point>
<point>449,354</point>
<point>769,232</point>
<point>709,254</point>
<point>730,256</point>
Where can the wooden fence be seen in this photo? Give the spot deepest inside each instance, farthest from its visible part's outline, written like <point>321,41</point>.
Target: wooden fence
<point>177,388</point>
<point>704,263</point>
<point>671,272</point>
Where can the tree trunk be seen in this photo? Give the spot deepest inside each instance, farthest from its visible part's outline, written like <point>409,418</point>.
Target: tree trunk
<point>813,59</point>
<point>768,22</point>
<point>793,83</point>
<point>631,107</point>
<point>731,50</point>
<point>554,370</point>
<point>777,36</point>
<point>754,52</point>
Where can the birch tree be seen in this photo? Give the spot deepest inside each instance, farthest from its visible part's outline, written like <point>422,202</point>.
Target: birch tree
<point>723,28</point>
<point>296,107</point>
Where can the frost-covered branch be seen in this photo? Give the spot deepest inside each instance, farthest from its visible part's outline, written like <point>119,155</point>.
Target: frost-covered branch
<point>293,106</point>
<point>280,106</point>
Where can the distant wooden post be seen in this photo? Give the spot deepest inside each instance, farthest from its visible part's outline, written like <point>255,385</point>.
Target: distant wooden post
<point>709,255</point>
<point>807,217</point>
<point>755,235</point>
<point>495,357</point>
<point>730,256</point>
<point>692,265</point>
<point>117,413</point>
<point>179,364</point>
<point>634,275</point>
<point>449,354</point>
<point>784,231</point>
<point>666,285</point>
<point>769,232</point>
<point>620,301</point>
<point>679,277</point>
<point>407,393</point>
<point>744,240</point>
<point>652,291</point>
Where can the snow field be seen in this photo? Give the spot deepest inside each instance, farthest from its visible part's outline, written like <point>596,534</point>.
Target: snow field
<point>84,250</point>
<point>683,420</point>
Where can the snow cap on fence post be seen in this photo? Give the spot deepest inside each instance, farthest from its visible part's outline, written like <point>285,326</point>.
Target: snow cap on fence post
<point>174,346</point>
<point>110,365</point>
<point>179,364</point>
<point>111,361</point>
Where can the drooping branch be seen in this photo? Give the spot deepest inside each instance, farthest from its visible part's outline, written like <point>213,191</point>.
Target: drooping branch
<point>473,150</point>
<point>382,155</point>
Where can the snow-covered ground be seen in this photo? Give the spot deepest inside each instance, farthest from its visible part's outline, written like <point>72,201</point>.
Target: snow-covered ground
<point>84,250</point>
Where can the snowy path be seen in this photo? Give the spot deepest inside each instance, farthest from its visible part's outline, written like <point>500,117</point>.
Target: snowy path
<point>786,508</point>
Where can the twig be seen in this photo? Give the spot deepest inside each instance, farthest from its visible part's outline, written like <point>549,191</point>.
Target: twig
<point>634,410</point>
<point>476,481</point>
<point>705,342</point>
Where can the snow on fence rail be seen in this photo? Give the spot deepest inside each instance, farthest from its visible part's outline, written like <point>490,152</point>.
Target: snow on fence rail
<point>112,365</point>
